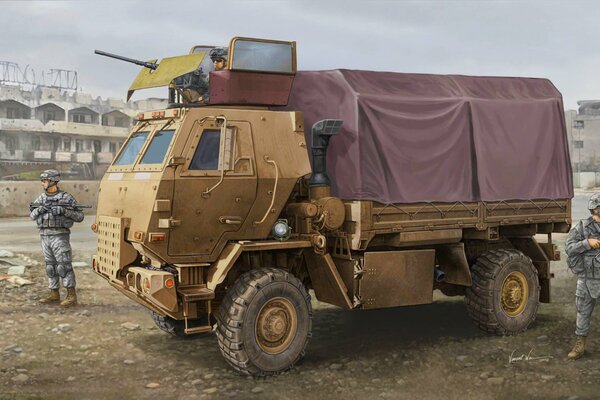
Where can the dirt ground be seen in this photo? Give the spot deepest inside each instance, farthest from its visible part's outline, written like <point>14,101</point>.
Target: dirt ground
<point>109,348</point>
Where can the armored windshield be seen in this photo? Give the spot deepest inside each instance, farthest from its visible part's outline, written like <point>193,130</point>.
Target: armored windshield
<point>158,147</point>
<point>131,149</point>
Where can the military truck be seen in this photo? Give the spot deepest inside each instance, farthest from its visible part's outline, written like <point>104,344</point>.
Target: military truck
<point>372,189</point>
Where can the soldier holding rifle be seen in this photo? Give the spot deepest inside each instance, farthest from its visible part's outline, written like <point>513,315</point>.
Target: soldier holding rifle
<point>583,253</point>
<point>54,212</point>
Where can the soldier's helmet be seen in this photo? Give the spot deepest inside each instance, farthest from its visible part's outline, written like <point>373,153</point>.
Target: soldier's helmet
<point>51,175</point>
<point>594,202</point>
<point>218,53</point>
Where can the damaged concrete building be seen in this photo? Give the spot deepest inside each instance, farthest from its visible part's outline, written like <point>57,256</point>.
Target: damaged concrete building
<point>583,128</point>
<point>48,127</point>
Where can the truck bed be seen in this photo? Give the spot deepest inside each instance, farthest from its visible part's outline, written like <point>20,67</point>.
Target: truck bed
<point>372,223</point>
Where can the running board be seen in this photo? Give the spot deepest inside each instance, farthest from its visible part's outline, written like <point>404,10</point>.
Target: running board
<point>198,329</point>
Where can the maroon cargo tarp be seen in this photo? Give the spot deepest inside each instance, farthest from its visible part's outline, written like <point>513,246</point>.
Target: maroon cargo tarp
<point>417,137</point>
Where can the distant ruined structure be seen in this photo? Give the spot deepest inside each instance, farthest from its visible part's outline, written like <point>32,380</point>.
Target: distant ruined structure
<point>46,123</point>
<point>583,128</point>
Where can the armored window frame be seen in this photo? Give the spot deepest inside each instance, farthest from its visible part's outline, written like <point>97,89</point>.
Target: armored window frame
<point>140,165</point>
<point>207,154</point>
<point>126,146</point>
<point>151,129</point>
<point>241,61</point>
<point>228,146</point>
<point>194,143</point>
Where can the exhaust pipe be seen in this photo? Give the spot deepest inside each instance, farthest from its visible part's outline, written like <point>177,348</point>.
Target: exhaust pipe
<point>322,131</point>
<point>439,275</point>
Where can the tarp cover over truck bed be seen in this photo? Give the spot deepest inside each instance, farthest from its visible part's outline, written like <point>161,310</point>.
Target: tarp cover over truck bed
<point>416,137</point>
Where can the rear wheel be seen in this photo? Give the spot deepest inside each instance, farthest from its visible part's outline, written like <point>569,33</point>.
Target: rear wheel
<point>264,322</point>
<point>504,297</point>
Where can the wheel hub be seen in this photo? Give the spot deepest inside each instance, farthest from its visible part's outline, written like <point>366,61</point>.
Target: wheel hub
<point>276,325</point>
<point>514,293</point>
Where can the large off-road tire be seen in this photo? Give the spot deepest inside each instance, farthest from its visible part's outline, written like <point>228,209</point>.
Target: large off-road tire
<point>264,322</point>
<point>504,297</point>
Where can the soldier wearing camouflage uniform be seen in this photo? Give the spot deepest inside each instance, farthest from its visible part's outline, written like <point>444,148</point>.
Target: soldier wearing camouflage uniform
<point>54,212</point>
<point>583,251</point>
<point>218,55</point>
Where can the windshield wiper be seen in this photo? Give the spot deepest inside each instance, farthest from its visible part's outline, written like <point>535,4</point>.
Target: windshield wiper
<point>140,128</point>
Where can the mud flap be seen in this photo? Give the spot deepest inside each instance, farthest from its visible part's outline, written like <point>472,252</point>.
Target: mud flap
<point>326,280</point>
<point>454,263</point>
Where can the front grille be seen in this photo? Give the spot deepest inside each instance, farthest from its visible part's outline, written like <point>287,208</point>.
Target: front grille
<point>111,233</point>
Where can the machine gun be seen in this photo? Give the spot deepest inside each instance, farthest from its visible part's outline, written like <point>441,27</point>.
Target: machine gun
<point>191,86</point>
<point>146,64</point>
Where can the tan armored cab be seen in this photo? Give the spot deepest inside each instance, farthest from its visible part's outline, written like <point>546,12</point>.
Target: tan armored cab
<point>211,214</point>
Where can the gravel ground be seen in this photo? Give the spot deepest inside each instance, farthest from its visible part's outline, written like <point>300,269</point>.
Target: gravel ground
<point>109,348</point>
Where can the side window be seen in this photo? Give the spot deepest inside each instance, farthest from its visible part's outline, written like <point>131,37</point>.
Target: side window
<point>132,148</point>
<point>206,156</point>
<point>265,56</point>
<point>158,147</point>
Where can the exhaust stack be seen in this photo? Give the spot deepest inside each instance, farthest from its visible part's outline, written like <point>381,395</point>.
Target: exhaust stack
<point>322,131</point>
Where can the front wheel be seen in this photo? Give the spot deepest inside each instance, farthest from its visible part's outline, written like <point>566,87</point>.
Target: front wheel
<point>176,327</point>
<point>505,294</point>
<point>264,322</point>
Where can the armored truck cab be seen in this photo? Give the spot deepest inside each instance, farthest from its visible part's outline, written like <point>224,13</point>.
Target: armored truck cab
<point>178,170</point>
<point>223,212</point>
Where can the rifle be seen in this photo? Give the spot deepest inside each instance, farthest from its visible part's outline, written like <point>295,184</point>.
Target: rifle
<point>53,203</point>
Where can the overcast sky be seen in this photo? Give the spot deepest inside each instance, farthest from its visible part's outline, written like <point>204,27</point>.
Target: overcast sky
<point>558,40</point>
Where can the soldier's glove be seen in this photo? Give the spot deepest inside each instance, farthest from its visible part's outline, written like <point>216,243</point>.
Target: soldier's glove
<point>45,209</point>
<point>58,210</point>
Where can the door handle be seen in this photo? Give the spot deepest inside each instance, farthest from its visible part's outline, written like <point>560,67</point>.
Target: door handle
<point>230,220</point>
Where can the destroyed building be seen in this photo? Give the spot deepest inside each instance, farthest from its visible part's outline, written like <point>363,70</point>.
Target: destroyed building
<point>44,127</point>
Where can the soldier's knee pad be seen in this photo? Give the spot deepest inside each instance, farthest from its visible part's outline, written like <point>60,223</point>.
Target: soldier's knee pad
<point>51,270</point>
<point>64,269</point>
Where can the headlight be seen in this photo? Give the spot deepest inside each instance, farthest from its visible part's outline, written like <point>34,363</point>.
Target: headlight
<point>281,230</point>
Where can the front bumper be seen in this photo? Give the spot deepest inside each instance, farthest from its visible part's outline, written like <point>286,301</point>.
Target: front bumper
<point>154,289</point>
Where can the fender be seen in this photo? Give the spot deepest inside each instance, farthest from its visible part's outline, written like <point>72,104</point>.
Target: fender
<point>220,268</point>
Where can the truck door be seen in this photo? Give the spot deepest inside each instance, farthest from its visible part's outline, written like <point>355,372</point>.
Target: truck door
<point>215,188</point>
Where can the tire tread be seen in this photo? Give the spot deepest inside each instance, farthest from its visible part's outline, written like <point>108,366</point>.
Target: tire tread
<point>231,314</point>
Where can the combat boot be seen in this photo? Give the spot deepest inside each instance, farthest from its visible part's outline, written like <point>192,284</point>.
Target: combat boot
<point>53,297</point>
<point>578,349</point>
<point>71,299</point>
